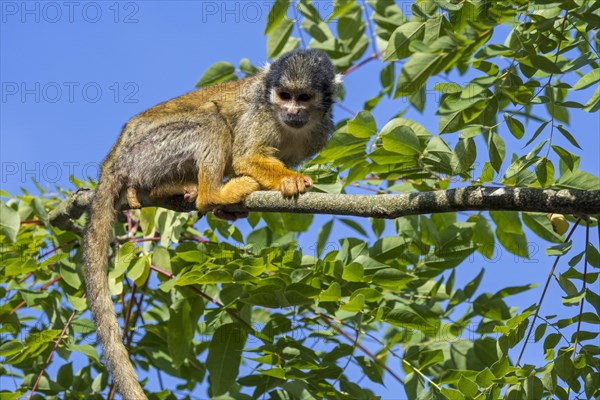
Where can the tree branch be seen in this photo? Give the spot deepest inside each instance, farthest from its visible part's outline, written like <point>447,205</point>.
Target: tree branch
<point>471,198</point>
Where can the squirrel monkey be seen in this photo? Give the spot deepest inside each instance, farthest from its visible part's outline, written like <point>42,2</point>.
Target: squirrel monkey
<point>251,131</point>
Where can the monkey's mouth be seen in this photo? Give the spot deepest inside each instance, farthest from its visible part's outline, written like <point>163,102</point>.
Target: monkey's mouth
<point>295,122</point>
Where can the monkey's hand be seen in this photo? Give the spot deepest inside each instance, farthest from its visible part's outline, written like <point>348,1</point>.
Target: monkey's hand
<point>294,185</point>
<point>272,174</point>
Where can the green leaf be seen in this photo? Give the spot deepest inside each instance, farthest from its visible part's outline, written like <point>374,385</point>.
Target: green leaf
<point>472,286</point>
<point>587,80</point>
<point>559,249</point>
<point>147,220</point>
<point>541,226</point>
<point>539,331</point>
<point>161,258</point>
<point>467,387</point>
<point>278,373</point>
<point>568,136</point>
<point>87,349</point>
<point>514,126</point>
<point>201,278</point>
<point>452,394</point>
<point>465,154</point>
<point>180,332</point>
<point>247,68</point>
<point>485,378</point>
<point>356,304</point>
<point>40,210</point>
<point>430,357</point>
<point>77,302</point>
<point>510,232</point>
<point>353,272</point>
<point>332,293</point>
<point>371,369</point>
<point>140,270</point>
<point>567,286</point>
<point>593,299</point>
<point>483,236</point>
<point>593,103</point>
<point>64,377</point>
<point>398,44</point>
<point>362,126</point>
<point>496,150</point>
<point>323,236</point>
<point>276,15</point>
<point>11,347</point>
<point>537,132</point>
<point>544,64</point>
<point>216,73</point>
<point>593,256</point>
<point>296,222</point>
<point>578,180</point>
<point>564,155</point>
<point>354,225</point>
<point>402,140</point>
<point>487,175</point>
<point>278,38</point>
<point>224,357</point>
<point>447,87</point>
<point>9,222</point>
<point>544,171</point>
<point>416,71</point>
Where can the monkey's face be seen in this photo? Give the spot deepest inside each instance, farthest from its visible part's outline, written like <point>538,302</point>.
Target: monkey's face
<point>300,86</point>
<point>293,106</point>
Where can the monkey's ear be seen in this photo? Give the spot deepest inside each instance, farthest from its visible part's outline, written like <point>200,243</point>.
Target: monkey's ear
<point>266,68</point>
<point>339,78</point>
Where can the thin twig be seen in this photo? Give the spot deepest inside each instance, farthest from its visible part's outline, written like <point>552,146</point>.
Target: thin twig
<point>326,319</point>
<point>370,27</point>
<point>138,312</point>
<point>58,340</point>
<point>537,310</point>
<point>418,371</point>
<point>44,287</point>
<point>129,308</point>
<point>356,66</point>
<point>585,265</point>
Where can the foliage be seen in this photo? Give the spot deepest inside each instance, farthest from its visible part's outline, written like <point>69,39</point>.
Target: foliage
<point>241,312</point>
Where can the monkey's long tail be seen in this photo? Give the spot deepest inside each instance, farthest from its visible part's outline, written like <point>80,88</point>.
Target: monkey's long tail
<point>102,215</point>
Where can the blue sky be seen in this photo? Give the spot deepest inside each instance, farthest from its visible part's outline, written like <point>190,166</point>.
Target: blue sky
<point>72,75</point>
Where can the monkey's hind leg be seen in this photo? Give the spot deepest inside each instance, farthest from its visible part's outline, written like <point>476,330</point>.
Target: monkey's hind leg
<point>212,194</point>
<point>189,190</point>
<point>132,198</point>
<point>233,192</point>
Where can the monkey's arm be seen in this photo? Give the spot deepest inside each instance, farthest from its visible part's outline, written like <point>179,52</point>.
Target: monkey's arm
<point>272,174</point>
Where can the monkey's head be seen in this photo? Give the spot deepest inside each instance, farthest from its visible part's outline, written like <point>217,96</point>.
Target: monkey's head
<point>300,86</point>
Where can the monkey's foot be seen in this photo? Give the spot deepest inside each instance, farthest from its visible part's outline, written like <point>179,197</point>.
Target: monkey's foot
<point>229,216</point>
<point>294,185</point>
<point>190,192</point>
<point>132,198</point>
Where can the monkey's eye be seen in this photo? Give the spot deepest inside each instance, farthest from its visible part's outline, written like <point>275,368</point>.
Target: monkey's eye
<point>304,97</point>
<point>285,96</point>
